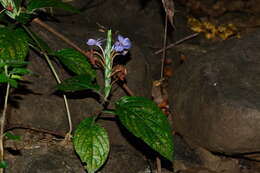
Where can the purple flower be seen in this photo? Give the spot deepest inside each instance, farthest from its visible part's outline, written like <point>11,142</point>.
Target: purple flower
<point>122,44</point>
<point>93,42</point>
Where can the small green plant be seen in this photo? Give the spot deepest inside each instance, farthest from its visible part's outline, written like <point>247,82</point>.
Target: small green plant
<point>15,41</point>
<point>139,115</point>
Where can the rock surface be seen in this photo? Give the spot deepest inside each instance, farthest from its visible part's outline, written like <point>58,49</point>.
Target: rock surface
<point>41,153</point>
<point>216,97</point>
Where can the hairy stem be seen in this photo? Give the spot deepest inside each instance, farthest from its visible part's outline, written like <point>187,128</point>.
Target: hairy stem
<point>68,135</point>
<point>2,123</point>
<point>108,66</point>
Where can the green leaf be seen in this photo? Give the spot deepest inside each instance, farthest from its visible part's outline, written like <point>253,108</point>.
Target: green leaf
<point>3,78</point>
<point>11,136</point>
<point>15,6</point>
<point>3,164</point>
<point>6,79</point>
<point>77,83</point>
<point>18,3</point>
<point>13,83</point>
<point>36,4</point>
<point>13,44</point>
<point>15,77</point>
<point>12,63</point>
<point>20,71</point>
<point>145,120</point>
<point>75,62</point>
<point>41,44</point>
<point>24,18</point>
<point>91,144</point>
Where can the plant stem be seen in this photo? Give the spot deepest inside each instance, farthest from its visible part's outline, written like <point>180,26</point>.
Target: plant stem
<point>59,35</point>
<point>2,11</point>
<point>164,45</point>
<point>128,90</point>
<point>68,135</point>
<point>2,123</point>
<point>158,165</point>
<point>108,66</point>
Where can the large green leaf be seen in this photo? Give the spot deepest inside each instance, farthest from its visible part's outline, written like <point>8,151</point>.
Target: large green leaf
<point>145,120</point>
<point>13,44</point>
<point>91,144</point>
<point>77,83</point>
<point>36,4</point>
<point>75,61</point>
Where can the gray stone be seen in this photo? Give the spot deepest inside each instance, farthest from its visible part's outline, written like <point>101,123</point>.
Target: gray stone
<point>216,97</point>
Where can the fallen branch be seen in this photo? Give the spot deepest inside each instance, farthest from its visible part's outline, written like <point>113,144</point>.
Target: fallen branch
<point>177,42</point>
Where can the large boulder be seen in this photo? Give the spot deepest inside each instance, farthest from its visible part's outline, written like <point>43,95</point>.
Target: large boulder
<point>216,97</point>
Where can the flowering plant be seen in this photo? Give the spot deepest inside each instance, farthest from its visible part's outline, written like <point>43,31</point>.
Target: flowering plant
<point>139,115</point>
<point>105,59</point>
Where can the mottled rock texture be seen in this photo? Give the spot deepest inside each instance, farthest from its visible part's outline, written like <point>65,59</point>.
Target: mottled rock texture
<point>216,97</point>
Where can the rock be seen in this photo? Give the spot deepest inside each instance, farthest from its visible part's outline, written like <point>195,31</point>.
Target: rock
<point>216,97</point>
<point>190,158</point>
<point>196,170</point>
<point>42,153</point>
<point>39,154</point>
<point>35,103</point>
<point>124,159</point>
<point>217,163</point>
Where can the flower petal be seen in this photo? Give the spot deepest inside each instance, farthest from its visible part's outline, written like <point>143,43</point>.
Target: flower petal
<point>126,43</point>
<point>91,42</point>
<point>120,38</point>
<point>118,47</point>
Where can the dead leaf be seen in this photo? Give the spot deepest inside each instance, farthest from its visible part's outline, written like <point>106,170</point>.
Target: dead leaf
<point>160,96</point>
<point>168,72</point>
<point>169,10</point>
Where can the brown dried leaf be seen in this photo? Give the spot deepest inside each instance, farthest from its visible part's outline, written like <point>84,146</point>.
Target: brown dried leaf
<point>160,96</point>
<point>169,10</point>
